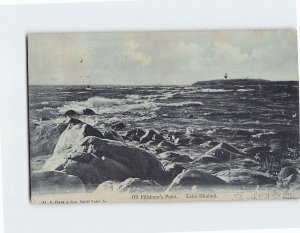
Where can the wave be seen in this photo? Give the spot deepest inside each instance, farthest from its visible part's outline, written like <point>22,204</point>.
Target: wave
<point>214,90</point>
<point>103,105</point>
<point>181,104</point>
<point>245,90</point>
<point>45,109</point>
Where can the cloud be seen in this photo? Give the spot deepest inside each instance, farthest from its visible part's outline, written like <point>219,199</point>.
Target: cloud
<point>230,53</point>
<point>161,57</point>
<point>131,51</point>
<point>195,56</point>
<point>184,48</point>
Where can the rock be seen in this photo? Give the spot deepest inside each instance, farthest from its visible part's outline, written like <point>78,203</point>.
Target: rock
<point>242,176</point>
<point>286,172</point>
<point>45,119</point>
<point>44,138</point>
<point>174,157</point>
<point>54,182</point>
<point>130,185</point>
<point>88,111</point>
<point>230,148</point>
<point>190,116</point>
<point>73,134</point>
<point>213,143</point>
<point>73,121</point>
<point>112,135</point>
<point>164,162</point>
<point>32,126</point>
<point>107,186</point>
<point>291,162</point>
<point>95,160</point>
<point>197,141</point>
<point>182,141</point>
<point>224,152</point>
<point>134,135</point>
<point>136,185</point>
<point>172,170</point>
<point>295,181</point>
<point>179,134</point>
<point>193,177</point>
<point>207,159</point>
<point>118,126</point>
<point>257,150</point>
<point>70,113</point>
<point>126,113</point>
<point>220,154</point>
<point>165,146</point>
<point>151,135</point>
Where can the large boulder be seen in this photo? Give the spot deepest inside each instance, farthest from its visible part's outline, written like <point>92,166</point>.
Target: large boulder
<point>54,182</point>
<point>73,134</point>
<point>107,186</point>
<point>130,185</point>
<point>221,153</point>
<point>241,176</point>
<point>44,138</point>
<point>136,185</point>
<point>172,170</point>
<point>96,160</point>
<point>192,177</point>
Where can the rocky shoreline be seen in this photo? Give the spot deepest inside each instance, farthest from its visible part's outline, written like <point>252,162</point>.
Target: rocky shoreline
<point>73,156</point>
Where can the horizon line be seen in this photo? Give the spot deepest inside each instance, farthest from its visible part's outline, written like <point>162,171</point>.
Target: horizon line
<point>164,84</point>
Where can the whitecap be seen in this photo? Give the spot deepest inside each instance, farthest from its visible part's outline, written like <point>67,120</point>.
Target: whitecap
<point>103,105</point>
<point>181,104</point>
<point>245,90</point>
<point>44,109</point>
<point>214,90</point>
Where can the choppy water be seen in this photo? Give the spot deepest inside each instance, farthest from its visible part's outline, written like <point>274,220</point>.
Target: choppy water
<point>217,111</point>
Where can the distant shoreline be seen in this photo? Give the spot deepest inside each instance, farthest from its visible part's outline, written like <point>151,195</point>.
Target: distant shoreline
<point>239,81</point>
<point>243,81</point>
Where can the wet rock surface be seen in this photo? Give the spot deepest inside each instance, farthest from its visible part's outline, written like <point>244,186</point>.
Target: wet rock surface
<point>192,177</point>
<point>55,182</point>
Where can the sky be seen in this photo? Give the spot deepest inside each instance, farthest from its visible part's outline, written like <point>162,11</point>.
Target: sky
<point>160,58</point>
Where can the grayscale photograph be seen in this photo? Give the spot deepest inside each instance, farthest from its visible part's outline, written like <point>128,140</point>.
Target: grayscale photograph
<point>164,116</point>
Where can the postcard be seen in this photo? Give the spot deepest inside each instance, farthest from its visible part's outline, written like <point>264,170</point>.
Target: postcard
<point>169,116</point>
